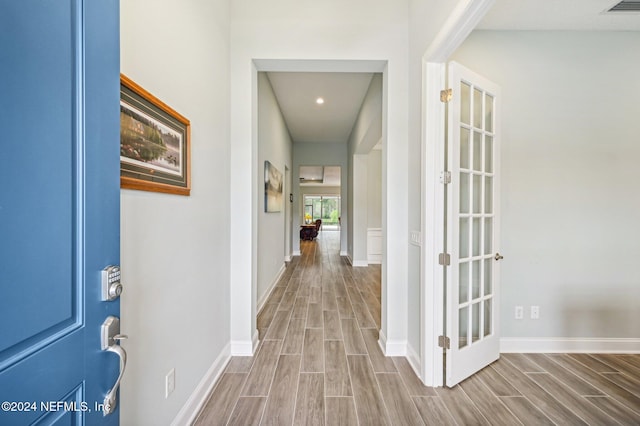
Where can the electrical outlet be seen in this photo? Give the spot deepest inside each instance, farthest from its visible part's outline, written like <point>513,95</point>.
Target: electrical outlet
<point>170,382</point>
<point>535,312</point>
<point>519,312</point>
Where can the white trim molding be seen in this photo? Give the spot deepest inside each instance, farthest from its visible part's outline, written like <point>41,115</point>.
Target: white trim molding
<point>267,293</point>
<point>392,347</point>
<point>462,20</point>
<point>569,345</point>
<point>374,246</point>
<point>243,348</point>
<point>190,410</point>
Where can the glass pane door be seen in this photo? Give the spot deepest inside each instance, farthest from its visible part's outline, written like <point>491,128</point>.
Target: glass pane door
<point>472,234</point>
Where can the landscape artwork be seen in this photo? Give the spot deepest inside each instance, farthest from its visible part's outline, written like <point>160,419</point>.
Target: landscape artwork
<point>149,143</point>
<point>272,188</point>
<point>155,143</point>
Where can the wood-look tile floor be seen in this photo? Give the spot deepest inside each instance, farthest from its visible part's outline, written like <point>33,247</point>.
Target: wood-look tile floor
<point>319,364</point>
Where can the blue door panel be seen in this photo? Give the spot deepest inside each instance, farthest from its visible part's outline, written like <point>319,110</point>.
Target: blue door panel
<point>37,124</point>
<point>59,207</point>
<point>42,378</point>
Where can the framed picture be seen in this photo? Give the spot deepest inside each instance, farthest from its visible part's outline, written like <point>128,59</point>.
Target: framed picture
<point>155,143</point>
<point>272,188</point>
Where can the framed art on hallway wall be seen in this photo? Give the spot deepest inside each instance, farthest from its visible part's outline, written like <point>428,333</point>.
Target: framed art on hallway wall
<point>272,188</point>
<point>155,143</point>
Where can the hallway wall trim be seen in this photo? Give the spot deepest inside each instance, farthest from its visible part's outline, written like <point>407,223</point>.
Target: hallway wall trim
<point>392,347</point>
<point>243,348</point>
<point>189,411</point>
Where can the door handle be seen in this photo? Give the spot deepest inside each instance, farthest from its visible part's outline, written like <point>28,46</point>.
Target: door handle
<point>498,256</point>
<point>111,337</point>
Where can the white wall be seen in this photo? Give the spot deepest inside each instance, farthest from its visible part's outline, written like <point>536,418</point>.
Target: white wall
<point>175,249</point>
<point>329,30</point>
<point>318,190</point>
<point>569,178</point>
<point>366,133</point>
<point>315,154</point>
<point>359,214</point>
<point>374,189</point>
<point>274,145</point>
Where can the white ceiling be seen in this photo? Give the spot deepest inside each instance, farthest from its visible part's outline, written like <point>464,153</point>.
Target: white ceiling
<point>583,15</point>
<point>323,175</point>
<point>330,122</point>
<point>343,92</point>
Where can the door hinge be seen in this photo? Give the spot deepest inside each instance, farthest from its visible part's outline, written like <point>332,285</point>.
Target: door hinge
<point>444,342</point>
<point>445,178</point>
<point>446,95</point>
<point>444,259</point>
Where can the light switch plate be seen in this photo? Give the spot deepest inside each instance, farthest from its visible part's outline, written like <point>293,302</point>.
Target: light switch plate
<point>170,382</point>
<point>416,238</point>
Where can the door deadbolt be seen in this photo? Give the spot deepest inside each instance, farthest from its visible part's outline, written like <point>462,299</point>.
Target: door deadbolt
<point>111,285</point>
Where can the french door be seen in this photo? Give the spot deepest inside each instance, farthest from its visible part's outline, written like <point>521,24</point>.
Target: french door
<point>473,233</point>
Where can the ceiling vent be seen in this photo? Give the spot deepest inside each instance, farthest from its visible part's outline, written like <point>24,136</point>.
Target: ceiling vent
<point>632,6</point>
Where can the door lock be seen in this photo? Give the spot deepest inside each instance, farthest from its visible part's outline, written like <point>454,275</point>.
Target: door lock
<point>110,342</point>
<point>111,285</point>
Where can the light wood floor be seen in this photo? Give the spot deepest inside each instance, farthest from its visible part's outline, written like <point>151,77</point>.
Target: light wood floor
<point>319,363</point>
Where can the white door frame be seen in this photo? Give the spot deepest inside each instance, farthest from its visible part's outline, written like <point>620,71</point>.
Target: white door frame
<point>457,27</point>
<point>288,192</point>
<point>243,226</point>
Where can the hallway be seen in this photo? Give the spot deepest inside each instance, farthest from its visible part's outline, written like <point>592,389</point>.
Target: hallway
<point>319,363</point>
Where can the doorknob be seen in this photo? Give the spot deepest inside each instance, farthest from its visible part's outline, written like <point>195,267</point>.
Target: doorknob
<point>498,256</point>
<point>110,334</point>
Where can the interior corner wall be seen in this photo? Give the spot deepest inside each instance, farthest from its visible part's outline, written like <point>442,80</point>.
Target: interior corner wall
<point>359,212</point>
<point>366,133</point>
<point>175,249</point>
<point>316,154</point>
<point>569,179</point>
<point>374,189</point>
<point>274,145</point>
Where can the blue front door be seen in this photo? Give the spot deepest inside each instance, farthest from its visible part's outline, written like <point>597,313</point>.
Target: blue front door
<point>59,207</point>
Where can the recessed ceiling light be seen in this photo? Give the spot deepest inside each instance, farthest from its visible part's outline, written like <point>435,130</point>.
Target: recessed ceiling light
<point>319,101</point>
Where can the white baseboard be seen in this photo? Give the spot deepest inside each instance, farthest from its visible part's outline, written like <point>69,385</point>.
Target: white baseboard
<point>359,263</point>
<point>287,258</point>
<point>190,410</point>
<point>296,252</point>
<point>242,348</point>
<point>392,347</point>
<point>569,345</point>
<point>344,254</point>
<point>267,293</point>
<point>255,341</point>
<point>375,260</point>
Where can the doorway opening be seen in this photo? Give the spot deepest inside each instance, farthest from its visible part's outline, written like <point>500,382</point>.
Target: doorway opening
<point>246,289</point>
